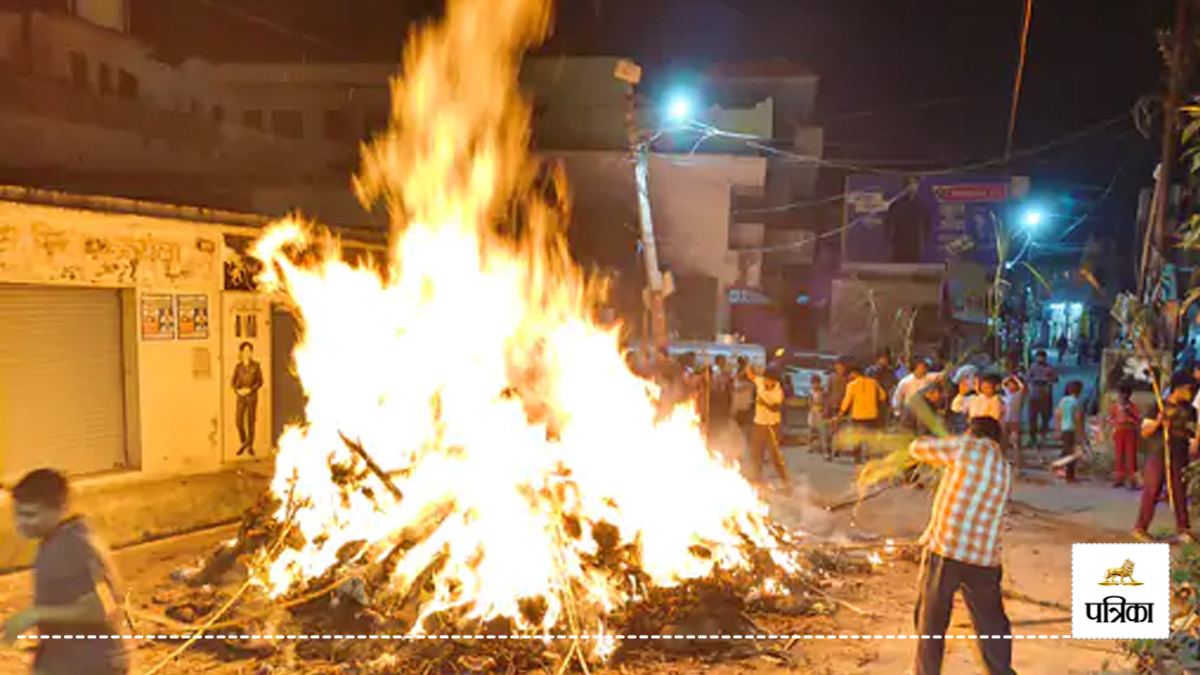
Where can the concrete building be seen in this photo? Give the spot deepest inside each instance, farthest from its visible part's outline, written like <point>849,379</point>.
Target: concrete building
<point>89,107</point>
<point>122,324</point>
<point>716,203</point>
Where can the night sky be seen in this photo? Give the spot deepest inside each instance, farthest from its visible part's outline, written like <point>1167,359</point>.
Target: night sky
<point>904,82</point>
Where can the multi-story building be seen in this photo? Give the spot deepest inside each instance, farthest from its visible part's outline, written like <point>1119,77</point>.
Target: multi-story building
<point>90,107</point>
<point>122,318</point>
<point>721,202</point>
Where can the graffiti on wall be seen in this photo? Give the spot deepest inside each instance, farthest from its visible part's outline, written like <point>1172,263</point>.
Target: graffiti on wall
<point>240,269</point>
<point>42,251</point>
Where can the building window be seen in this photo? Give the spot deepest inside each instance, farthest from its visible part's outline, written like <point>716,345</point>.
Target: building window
<point>336,127</point>
<point>104,77</point>
<point>218,114</point>
<point>287,123</point>
<point>253,119</point>
<point>127,85</point>
<point>79,71</point>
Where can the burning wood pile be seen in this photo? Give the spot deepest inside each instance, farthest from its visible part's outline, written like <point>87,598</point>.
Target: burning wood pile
<point>355,598</point>
<point>476,457</point>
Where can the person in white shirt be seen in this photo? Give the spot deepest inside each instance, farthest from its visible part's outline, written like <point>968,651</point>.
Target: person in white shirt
<point>909,388</point>
<point>986,402</point>
<point>959,405</point>
<point>764,438</point>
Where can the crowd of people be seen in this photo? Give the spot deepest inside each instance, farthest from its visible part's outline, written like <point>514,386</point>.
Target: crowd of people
<point>933,399</point>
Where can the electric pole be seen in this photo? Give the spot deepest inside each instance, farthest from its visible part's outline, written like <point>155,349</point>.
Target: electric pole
<point>631,74</point>
<point>1160,228</point>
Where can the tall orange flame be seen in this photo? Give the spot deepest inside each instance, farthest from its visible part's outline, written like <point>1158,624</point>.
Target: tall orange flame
<point>472,373</point>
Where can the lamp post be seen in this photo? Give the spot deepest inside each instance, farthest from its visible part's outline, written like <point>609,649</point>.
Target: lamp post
<point>631,74</point>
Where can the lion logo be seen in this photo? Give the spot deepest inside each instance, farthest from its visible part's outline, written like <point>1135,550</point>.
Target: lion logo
<point>1121,573</point>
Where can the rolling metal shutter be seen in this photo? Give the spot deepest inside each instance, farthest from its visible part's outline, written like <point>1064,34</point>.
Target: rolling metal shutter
<point>62,394</point>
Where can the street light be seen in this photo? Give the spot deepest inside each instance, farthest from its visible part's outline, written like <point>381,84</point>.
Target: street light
<point>631,74</point>
<point>679,109</point>
<point>1033,218</point>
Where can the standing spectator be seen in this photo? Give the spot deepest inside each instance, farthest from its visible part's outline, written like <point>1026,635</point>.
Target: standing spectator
<point>1042,378</point>
<point>764,438</point>
<point>1068,419</point>
<point>1062,345</point>
<point>1014,395</point>
<point>961,546</point>
<point>816,417</point>
<point>884,372</point>
<point>959,411</point>
<point>987,402</point>
<point>1124,419</point>
<point>743,398</point>
<point>720,397</point>
<point>1179,418</point>
<point>833,400</point>
<point>911,387</point>
<point>863,404</point>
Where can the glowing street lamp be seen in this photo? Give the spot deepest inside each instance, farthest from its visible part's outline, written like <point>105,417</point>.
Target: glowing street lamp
<point>679,109</point>
<point>1033,218</point>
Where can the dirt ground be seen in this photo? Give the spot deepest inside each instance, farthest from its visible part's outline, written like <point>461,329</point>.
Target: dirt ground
<point>1037,561</point>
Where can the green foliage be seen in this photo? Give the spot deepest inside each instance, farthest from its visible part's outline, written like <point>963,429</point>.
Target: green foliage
<point>1179,653</point>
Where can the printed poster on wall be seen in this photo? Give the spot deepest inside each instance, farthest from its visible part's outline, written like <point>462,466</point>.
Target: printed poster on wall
<point>952,217</point>
<point>193,316</point>
<point>158,317</point>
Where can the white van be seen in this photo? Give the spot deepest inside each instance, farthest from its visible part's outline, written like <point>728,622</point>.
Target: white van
<point>707,352</point>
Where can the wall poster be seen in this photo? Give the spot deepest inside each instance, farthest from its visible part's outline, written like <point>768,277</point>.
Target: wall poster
<point>246,366</point>
<point>158,317</point>
<point>193,316</point>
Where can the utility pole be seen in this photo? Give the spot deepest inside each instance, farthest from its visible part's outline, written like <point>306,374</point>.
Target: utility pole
<point>631,74</point>
<point>1160,228</point>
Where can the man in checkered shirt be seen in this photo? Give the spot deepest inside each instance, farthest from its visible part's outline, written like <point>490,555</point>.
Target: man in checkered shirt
<point>962,545</point>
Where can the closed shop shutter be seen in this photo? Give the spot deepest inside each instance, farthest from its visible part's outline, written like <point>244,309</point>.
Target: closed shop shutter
<point>287,395</point>
<point>62,394</point>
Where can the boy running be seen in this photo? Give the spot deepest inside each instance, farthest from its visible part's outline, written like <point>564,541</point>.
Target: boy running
<point>75,585</point>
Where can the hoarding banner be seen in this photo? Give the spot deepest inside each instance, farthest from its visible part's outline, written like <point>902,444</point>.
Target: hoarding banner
<point>946,218</point>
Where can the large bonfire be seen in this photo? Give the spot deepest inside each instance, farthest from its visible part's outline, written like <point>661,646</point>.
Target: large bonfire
<point>467,420</point>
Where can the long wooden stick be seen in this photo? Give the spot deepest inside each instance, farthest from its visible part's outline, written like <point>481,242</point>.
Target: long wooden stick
<point>359,452</point>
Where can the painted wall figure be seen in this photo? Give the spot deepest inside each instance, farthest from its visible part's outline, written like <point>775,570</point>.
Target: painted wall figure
<point>247,381</point>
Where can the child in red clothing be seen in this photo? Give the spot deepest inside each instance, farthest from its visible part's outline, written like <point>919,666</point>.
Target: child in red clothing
<point>1125,420</point>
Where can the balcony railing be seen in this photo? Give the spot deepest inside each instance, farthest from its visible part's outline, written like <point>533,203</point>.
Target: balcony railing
<point>53,99</point>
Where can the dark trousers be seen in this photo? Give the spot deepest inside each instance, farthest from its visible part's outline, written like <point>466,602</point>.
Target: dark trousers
<point>941,579</point>
<point>1041,410</point>
<point>1154,478</point>
<point>247,416</point>
<point>764,447</point>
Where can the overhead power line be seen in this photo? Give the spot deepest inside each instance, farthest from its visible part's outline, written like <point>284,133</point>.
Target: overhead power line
<point>1016,95</point>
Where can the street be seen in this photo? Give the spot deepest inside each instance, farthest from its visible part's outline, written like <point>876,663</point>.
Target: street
<point>1046,520</point>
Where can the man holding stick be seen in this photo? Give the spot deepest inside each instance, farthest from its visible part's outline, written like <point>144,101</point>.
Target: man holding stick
<point>962,545</point>
<point>1165,466</point>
